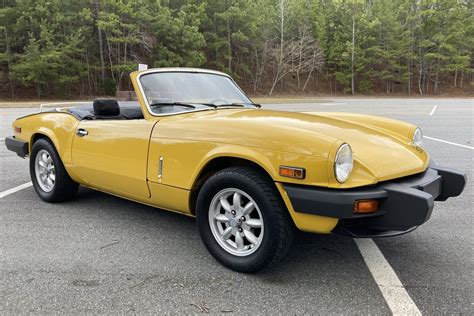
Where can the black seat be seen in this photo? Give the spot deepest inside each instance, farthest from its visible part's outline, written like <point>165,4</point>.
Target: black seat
<point>107,109</point>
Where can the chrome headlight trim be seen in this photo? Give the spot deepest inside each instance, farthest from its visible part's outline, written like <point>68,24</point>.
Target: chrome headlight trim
<point>343,163</point>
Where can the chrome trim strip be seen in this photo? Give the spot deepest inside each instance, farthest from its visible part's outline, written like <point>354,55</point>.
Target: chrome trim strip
<point>183,69</point>
<point>160,168</point>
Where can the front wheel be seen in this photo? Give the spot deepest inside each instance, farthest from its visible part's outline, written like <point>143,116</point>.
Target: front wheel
<point>50,179</point>
<point>242,220</point>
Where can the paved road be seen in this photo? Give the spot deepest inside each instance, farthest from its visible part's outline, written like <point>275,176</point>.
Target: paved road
<point>99,253</point>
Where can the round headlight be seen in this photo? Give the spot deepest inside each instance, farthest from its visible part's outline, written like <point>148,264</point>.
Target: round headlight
<point>343,163</point>
<point>418,137</point>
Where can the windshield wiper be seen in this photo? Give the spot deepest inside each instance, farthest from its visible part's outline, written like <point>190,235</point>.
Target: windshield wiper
<point>160,104</point>
<point>212,105</point>
<point>238,104</point>
<point>191,105</point>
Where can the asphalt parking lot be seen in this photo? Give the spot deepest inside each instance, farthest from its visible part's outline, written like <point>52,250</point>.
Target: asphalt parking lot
<point>102,254</point>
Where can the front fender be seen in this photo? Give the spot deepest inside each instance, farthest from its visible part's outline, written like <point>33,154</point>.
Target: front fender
<point>184,160</point>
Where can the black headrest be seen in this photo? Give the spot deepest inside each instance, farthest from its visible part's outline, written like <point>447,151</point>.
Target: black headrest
<point>106,107</point>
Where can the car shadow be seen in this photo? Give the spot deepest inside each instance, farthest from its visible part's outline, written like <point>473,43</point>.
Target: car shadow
<point>310,254</point>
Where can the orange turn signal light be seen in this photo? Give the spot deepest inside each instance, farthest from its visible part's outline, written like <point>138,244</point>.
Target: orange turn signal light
<point>366,206</point>
<point>292,172</point>
<point>17,129</point>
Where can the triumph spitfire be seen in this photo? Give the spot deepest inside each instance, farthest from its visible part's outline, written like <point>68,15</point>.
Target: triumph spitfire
<point>194,143</point>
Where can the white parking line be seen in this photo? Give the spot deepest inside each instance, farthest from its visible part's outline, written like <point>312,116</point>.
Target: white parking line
<point>15,189</point>
<point>433,110</point>
<point>397,298</point>
<point>451,143</point>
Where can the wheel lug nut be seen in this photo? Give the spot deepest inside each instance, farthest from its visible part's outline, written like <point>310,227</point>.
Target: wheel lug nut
<point>242,218</point>
<point>232,212</point>
<point>240,229</point>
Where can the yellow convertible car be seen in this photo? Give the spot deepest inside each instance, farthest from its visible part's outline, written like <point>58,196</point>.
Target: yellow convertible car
<point>194,143</point>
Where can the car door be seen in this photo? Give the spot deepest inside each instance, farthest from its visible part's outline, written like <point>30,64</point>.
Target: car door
<point>111,155</point>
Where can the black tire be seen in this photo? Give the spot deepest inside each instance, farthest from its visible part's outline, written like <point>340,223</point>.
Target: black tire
<point>279,228</point>
<point>64,187</point>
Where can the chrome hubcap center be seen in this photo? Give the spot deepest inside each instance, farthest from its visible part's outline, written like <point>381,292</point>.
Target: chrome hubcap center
<point>234,222</point>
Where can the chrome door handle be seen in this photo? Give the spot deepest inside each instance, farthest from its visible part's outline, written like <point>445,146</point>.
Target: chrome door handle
<point>81,132</point>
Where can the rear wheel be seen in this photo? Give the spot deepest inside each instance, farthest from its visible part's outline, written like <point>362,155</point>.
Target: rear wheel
<point>50,179</point>
<point>242,220</point>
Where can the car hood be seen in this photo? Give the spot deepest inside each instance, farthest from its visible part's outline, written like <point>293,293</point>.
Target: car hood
<point>382,146</point>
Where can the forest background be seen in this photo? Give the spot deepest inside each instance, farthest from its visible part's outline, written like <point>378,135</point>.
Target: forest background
<point>76,49</point>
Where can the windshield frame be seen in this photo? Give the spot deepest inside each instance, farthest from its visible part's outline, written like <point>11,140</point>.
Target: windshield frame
<point>183,70</point>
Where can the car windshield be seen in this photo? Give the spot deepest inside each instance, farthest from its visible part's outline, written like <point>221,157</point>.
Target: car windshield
<point>168,92</point>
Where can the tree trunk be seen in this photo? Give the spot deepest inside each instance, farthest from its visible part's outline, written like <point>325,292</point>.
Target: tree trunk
<point>256,71</point>
<point>278,75</point>
<point>318,86</point>
<point>101,48</point>
<point>88,72</point>
<point>7,48</point>
<point>307,79</point>
<point>124,62</point>
<point>38,90</point>
<point>410,65</point>
<point>409,79</point>
<point>427,80</point>
<point>282,33</point>
<point>455,77</point>
<point>300,58</point>
<point>420,79</point>
<point>229,45</point>
<point>275,81</point>
<point>353,55</point>
<point>8,53</point>
<point>435,89</point>
<point>109,51</point>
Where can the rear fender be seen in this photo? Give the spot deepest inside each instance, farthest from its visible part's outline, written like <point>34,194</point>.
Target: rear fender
<point>59,127</point>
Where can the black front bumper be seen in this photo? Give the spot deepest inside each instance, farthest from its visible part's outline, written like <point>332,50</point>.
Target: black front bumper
<point>404,203</point>
<point>18,146</point>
